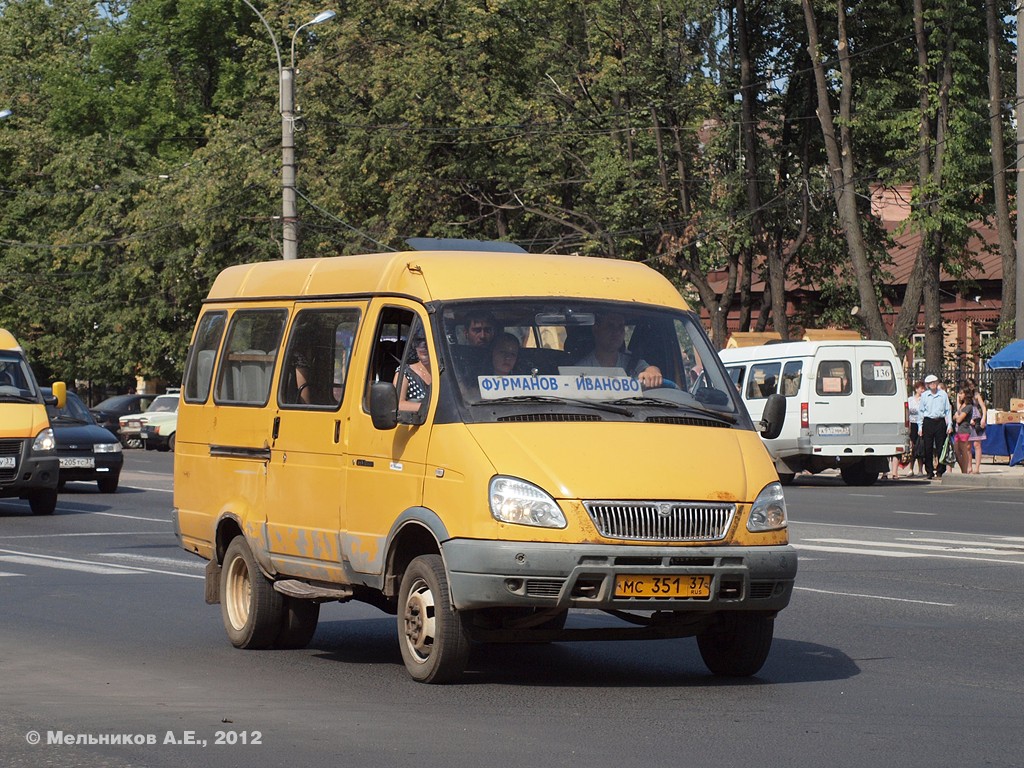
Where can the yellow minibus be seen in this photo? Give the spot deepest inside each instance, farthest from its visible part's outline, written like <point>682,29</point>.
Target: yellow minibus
<point>477,442</point>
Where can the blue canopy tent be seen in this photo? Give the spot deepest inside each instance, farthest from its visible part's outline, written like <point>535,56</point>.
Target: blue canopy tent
<point>1010,356</point>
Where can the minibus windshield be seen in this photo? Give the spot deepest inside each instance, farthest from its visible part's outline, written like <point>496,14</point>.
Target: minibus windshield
<point>611,357</point>
<point>16,380</point>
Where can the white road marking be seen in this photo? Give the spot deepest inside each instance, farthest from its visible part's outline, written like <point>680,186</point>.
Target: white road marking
<point>65,565</point>
<point>924,514</point>
<point>132,517</point>
<point>52,561</point>
<point>857,551</point>
<point>875,597</point>
<point>4,573</point>
<point>192,564</point>
<point>74,535</point>
<point>949,546</point>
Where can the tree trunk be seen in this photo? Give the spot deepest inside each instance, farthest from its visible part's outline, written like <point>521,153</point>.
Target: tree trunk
<point>1008,311</point>
<point>839,151</point>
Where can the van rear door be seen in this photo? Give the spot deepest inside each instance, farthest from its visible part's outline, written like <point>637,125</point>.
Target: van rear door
<point>881,397</point>
<point>833,417</point>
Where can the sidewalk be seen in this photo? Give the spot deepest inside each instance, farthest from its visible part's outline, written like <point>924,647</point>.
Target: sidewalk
<point>992,476</point>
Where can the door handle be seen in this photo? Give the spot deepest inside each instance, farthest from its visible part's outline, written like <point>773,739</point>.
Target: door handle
<point>277,427</point>
<point>337,430</point>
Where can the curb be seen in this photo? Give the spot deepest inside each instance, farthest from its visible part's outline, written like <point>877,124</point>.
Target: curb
<point>999,478</point>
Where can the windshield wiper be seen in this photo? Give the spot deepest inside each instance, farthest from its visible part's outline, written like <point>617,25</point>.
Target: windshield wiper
<point>660,403</point>
<point>597,405</point>
<point>19,398</point>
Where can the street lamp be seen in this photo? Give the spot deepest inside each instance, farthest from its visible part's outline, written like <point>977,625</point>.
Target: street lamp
<point>286,81</point>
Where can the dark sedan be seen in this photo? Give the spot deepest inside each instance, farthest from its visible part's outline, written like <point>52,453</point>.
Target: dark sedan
<point>113,408</point>
<point>86,450</point>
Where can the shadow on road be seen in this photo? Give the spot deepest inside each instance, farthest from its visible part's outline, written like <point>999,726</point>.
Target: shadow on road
<point>644,664</point>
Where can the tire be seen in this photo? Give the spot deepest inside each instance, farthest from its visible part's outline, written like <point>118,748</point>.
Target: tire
<point>43,502</point>
<point>738,645</point>
<point>108,484</point>
<point>858,474</point>
<point>298,623</point>
<point>434,644</point>
<point>170,442</point>
<point>252,610</point>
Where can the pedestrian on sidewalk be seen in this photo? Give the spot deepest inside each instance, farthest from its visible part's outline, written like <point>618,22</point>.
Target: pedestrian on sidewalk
<point>916,443</point>
<point>979,420</point>
<point>962,428</point>
<point>934,422</point>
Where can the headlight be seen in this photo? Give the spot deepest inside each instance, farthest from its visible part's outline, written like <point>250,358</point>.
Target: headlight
<point>769,510</point>
<point>523,503</point>
<point>44,441</point>
<point>106,447</point>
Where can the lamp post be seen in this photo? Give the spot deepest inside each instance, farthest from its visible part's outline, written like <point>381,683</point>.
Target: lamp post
<point>286,84</point>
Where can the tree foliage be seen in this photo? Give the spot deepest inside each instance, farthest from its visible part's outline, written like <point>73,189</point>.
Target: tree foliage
<point>142,155</point>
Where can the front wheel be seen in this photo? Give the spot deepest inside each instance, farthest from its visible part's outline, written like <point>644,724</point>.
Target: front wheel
<point>43,502</point>
<point>737,645</point>
<point>434,644</point>
<point>253,611</point>
<point>108,484</point>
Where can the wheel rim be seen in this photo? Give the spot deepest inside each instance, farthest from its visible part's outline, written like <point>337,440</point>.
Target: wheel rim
<point>420,624</point>
<point>238,593</point>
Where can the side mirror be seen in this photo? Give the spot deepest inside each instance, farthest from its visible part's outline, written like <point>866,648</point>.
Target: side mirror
<point>60,391</point>
<point>774,415</point>
<point>383,405</point>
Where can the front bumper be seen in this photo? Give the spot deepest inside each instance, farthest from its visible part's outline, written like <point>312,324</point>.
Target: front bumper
<point>489,574</point>
<point>105,465</point>
<point>31,471</point>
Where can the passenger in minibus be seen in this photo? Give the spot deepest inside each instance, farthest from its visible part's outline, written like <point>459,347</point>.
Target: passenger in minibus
<point>416,381</point>
<point>609,332</point>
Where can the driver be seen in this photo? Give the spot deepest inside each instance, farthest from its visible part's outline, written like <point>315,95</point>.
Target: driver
<point>609,331</point>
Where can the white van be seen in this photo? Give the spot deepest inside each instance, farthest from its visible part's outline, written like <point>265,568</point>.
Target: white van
<point>846,404</point>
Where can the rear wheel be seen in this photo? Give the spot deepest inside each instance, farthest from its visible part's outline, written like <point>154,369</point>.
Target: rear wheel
<point>298,624</point>
<point>433,642</point>
<point>737,645</point>
<point>858,474</point>
<point>170,443</point>
<point>253,611</point>
<point>43,502</point>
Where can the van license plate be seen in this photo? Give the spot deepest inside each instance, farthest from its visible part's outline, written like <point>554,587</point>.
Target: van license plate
<point>6,462</point>
<point>663,586</point>
<point>78,463</point>
<point>833,429</point>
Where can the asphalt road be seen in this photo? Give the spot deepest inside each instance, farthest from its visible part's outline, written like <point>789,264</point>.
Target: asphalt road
<point>902,647</point>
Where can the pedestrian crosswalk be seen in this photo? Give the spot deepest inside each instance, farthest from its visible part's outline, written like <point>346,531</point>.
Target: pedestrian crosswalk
<point>131,564</point>
<point>899,544</point>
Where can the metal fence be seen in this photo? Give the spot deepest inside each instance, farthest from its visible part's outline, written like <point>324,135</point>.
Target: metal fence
<point>997,387</point>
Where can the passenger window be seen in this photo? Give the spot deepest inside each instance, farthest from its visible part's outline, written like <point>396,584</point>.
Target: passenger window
<point>834,378</point>
<point>763,380</point>
<point>401,355</point>
<point>792,375</point>
<point>736,374</point>
<point>317,359</point>
<point>199,368</point>
<point>247,362</point>
<point>877,378</point>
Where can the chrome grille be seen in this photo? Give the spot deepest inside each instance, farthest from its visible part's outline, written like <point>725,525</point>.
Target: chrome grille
<point>10,448</point>
<point>661,520</point>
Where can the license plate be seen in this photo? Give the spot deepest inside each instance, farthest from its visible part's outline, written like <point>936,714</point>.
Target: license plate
<point>77,463</point>
<point>7,462</point>
<point>833,429</point>
<point>647,585</point>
